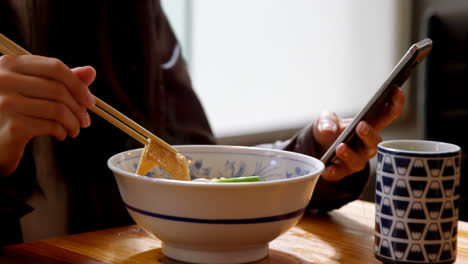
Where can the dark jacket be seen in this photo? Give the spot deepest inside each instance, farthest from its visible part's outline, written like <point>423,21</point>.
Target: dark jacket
<point>126,42</point>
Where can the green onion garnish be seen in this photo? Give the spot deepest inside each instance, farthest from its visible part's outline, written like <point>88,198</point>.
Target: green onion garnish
<point>240,179</point>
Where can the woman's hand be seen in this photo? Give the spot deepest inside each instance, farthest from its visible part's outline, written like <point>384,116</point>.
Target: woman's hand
<point>329,126</point>
<point>39,96</point>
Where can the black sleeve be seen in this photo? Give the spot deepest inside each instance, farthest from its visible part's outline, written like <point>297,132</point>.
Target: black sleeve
<point>327,195</point>
<point>14,190</point>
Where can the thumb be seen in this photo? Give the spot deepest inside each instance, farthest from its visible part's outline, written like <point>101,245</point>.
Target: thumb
<point>87,74</point>
<point>326,130</point>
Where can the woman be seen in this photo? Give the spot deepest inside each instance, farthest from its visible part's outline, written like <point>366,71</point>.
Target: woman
<point>54,179</point>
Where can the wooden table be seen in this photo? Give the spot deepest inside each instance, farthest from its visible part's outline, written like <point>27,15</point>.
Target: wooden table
<point>343,236</point>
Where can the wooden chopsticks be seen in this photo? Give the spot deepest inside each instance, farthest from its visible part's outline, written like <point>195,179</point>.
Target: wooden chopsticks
<point>8,47</point>
<point>126,124</point>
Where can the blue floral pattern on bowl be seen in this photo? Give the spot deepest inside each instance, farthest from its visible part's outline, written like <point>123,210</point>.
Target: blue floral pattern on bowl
<point>267,167</point>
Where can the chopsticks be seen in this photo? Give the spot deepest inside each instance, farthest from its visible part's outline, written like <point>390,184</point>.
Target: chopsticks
<point>110,114</point>
<point>126,124</point>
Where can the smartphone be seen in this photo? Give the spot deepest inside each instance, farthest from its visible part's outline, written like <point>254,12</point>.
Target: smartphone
<point>397,78</point>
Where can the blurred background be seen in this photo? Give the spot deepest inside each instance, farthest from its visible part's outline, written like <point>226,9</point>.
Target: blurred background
<point>264,69</point>
<point>270,66</point>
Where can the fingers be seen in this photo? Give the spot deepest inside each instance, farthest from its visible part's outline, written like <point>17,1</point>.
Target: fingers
<point>370,138</point>
<point>25,128</point>
<point>326,129</point>
<point>16,131</point>
<point>351,161</point>
<point>48,110</point>
<point>392,110</point>
<point>87,74</point>
<point>50,68</point>
<point>39,96</point>
<point>50,90</point>
<point>49,79</point>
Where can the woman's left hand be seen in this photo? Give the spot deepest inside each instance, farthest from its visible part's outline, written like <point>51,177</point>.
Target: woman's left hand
<point>329,126</point>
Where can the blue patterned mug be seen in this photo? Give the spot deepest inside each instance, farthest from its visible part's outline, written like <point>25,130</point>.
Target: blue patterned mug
<point>417,198</point>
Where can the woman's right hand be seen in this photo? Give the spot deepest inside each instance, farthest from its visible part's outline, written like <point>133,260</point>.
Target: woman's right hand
<point>39,96</point>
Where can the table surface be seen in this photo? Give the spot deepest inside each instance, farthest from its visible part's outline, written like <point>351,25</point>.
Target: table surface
<point>342,236</point>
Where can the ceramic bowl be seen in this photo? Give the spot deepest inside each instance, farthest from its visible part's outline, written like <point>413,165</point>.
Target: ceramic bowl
<point>219,222</point>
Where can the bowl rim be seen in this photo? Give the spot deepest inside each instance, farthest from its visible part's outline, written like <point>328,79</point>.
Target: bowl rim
<point>316,162</point>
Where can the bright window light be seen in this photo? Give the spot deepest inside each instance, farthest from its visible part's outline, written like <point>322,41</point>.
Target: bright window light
<point>267,65</point>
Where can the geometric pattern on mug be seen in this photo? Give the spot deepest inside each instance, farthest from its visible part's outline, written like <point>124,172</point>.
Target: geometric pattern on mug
<point>377,225</point>
<point>456,204</point>
<point>446,228</point>
<point>434,209</point>
<point>399,231</point>
<point>386,207</point>
<point>399,249</point>
<point>430,210</point>
<point>386,225</point>
<point>433,233</point>
<point>435,166</point>
<point>400,207</point>
<point>432,251</point>
<point>435,190</point>
<point>401,189</point>
<point>376,243</point>
<point>456,189</point>
<point>448,211</point>
<point>448,187</point>
<point>378,184</point>
<point>449,169</point>
<point>416,242</point>
<point>446,252</point>
<point>385,249</point>
<point>402,165</point>
<point>418,169</point>
<point>417,211</point>
<point>418,231</point>
<point>387,184</point>
<point>379,161</point>
<point>424,231</point>
<point>378,201</point>
<point>415,252</point>
<point>387,164</point>
<point>418,188</point>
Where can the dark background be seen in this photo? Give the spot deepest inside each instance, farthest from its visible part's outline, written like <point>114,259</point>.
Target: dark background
<point>437,98</point>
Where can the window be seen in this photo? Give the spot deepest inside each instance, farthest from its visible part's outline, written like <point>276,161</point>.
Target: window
<point>269,65</point>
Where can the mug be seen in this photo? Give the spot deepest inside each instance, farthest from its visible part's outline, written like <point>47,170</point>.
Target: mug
<point>416,200</point>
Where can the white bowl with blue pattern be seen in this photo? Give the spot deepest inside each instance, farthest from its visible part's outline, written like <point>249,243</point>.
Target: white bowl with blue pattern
<point>206,222</point>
